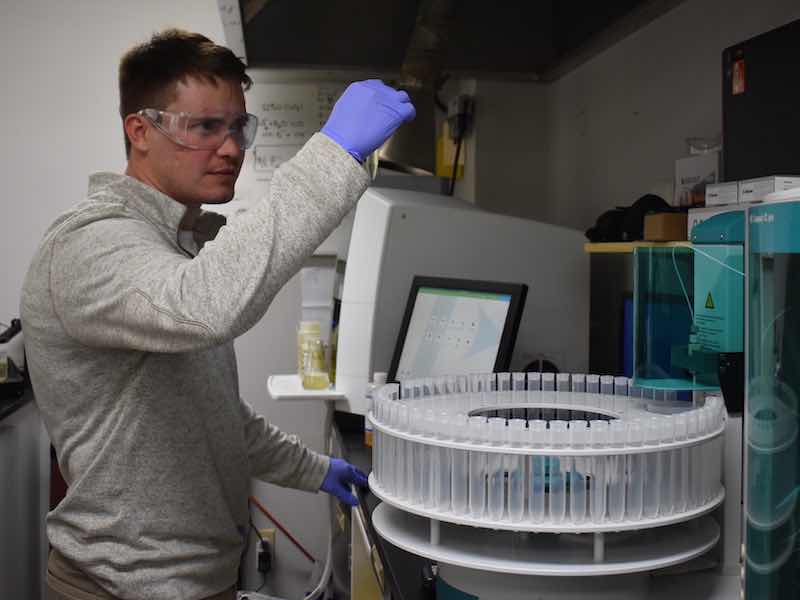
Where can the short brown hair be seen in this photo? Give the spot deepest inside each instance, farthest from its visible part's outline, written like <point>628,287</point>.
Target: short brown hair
<point>149,72</point>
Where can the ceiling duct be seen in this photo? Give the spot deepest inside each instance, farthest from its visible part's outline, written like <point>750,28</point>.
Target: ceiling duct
<point>412,148</point>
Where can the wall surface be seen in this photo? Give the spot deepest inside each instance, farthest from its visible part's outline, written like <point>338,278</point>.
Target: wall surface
<point>610,131</point>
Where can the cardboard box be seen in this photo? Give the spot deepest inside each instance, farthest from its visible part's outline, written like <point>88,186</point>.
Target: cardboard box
<point>665,227</point>
<point>692,175</point>
<point>754,190</point>
<point>720,194</point>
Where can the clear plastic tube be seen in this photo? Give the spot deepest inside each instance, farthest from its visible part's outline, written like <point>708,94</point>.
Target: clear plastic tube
<point>504,388</point>
<point>665,501</point>
<point>536,473</point>
<point>579,433</point>
<point>515,467</point>
<point>606,384</point>
<point>460,472</point>
<point>680,467</point>
<point>652,470</point>
<point>444,467</point>
<point>616,473</point>
<point>430,472</point>
<point>477,469</point>
<point>401,452</point>
<point>635,480</point>
<point>557,506</point>
<point>496,500</point>
<point>412,492</point>
<point>598,432</point>
<point>593,384</point>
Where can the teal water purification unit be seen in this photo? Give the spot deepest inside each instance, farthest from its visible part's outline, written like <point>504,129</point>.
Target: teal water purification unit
<point>689,311</point>
<point>772,484</point>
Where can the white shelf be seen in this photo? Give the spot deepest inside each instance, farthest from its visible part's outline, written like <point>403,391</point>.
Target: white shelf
<point>564,555</point>
<point>289,387</point>
<point>547,527</point>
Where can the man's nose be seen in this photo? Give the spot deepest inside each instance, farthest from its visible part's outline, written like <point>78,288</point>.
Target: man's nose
<point>230,147</point>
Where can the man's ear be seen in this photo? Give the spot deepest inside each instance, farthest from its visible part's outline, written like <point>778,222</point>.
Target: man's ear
<point>137,131</point>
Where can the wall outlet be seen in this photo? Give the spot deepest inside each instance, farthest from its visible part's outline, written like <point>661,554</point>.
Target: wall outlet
<point>268,534</point>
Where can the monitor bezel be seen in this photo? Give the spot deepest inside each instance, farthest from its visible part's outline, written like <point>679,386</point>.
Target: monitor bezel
<point>517,291</point>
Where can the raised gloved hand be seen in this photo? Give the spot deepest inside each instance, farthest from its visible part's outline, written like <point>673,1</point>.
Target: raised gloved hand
<point>366,114</point>
<point>341,475</point>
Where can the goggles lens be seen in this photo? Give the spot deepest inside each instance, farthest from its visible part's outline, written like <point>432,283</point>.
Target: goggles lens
<point>204,132</point>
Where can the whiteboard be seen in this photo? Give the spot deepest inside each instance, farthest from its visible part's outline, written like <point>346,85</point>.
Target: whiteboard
<point>288,115</point>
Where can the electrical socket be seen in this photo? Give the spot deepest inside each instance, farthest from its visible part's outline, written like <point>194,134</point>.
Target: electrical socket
<point>265,550</point>
<point>268,534</point>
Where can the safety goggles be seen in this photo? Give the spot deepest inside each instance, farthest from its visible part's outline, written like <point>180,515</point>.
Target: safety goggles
<point>204,132</point>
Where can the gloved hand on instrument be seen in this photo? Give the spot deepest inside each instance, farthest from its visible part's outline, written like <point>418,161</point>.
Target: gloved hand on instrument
<point>366,115</point>
<point>341,475</point>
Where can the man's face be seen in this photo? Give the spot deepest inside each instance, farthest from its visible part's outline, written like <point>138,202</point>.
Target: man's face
<point>198,176</point>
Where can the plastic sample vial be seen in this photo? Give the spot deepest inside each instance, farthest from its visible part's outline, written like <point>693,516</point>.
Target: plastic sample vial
<point>598,433</point>
<point>578,382</point>
<point>616,473</point>
<point>388,446</point>
<point>666,435</point>
<point>680,467</point>
<point>460,471</point>
<point>558,490</point>
<point>415,456</point>
<point>497,479</point>
<point>537,431</point>
<point>635,483</point>
<point>315,371</point>
<point>695,462</point>
<point>504,388</point>
<point>579,436</point>
<point>607,384</point>
<point>593,384</point>
<point>477,468</point>
<point>621,386</point>
<point>444,468</point>
<point>548,382</point>
<point>378,380</point>
<point>401,490</point>
<point>430,472</point>
<point>306,330</point>
<point>518,387</point>
<point>515,466</point>
<point>562,382</point>
<point>652,469</point>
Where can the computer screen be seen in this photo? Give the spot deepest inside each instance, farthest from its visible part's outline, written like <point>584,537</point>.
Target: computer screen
<point>456,326</point>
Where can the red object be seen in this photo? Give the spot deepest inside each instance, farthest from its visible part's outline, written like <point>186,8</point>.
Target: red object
<point>259,506</point>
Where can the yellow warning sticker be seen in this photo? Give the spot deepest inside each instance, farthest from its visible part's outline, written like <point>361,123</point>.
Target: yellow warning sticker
<point>710,302</point>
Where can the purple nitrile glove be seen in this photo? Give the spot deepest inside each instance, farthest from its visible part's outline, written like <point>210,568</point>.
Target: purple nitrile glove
<point>341,475</point>
<point>366,115</point>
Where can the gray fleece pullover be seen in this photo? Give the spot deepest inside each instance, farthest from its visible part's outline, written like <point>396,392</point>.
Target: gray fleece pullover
<point>129,338</point>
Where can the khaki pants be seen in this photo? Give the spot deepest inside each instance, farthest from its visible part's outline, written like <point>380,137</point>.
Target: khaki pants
<point>67,582</point>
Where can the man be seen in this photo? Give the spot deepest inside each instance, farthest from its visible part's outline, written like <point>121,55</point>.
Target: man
<point>130,309</point>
